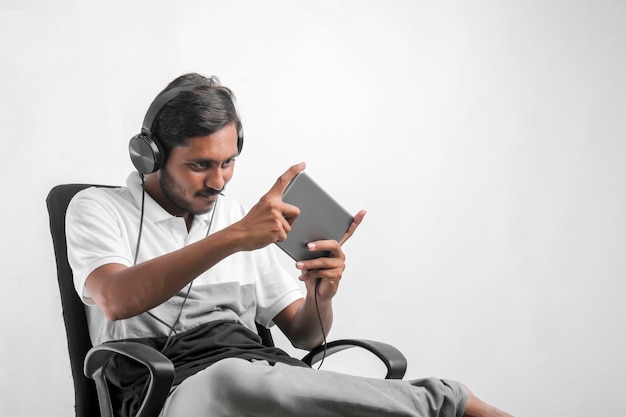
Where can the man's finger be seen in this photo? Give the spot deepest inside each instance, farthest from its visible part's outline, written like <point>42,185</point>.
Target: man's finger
<point>355,223</point>
<point>283,181</point>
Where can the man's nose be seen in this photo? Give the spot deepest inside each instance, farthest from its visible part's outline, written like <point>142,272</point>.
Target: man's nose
<point>215,179</point>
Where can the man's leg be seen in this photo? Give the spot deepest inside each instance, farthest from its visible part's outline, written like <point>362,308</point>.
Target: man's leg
<point>242,388</point>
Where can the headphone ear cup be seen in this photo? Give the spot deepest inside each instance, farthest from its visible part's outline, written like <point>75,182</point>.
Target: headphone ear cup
<point>239,137</point>
<point>145,153</point>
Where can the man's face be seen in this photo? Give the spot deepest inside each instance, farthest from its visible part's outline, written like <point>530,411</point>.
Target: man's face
<point>195,174</point>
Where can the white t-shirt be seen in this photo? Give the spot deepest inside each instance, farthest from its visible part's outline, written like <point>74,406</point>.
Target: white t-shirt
<point>102,226</point>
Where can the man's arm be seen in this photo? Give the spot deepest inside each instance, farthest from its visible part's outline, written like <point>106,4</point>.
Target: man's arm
<point>123,292</point>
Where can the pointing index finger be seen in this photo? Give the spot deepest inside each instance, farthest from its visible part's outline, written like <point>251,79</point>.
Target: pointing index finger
<point>283,181</point>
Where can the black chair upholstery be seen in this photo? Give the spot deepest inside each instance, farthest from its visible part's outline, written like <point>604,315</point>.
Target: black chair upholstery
<point>87,361</point>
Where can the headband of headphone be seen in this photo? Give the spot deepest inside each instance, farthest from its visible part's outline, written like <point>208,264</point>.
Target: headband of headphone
<point>146,153</point>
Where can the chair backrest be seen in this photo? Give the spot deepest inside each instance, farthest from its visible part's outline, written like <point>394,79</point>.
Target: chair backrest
<point>77,332</point>
<point>74,317</point>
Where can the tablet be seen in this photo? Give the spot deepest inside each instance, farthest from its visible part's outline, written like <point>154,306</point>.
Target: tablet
<point>321,218</point>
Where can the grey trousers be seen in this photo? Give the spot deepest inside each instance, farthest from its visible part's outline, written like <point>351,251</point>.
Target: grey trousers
<point>236,387</point>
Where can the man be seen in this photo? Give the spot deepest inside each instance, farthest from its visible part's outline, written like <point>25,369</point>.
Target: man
<point>172,262</point>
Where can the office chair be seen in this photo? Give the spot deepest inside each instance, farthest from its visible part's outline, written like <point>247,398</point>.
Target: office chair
<point>87,362</point>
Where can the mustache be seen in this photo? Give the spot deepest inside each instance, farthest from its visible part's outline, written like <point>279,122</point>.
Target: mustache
<point>209,192</point>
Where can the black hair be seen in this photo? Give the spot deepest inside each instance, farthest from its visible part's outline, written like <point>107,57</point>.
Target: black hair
<point>204,110</point>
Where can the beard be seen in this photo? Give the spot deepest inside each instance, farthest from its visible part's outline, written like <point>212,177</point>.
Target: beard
<point>176,194</point>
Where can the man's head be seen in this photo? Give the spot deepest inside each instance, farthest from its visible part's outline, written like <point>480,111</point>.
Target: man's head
<point>207,108</point>
<point>199,134</point>
<point>191,105</point>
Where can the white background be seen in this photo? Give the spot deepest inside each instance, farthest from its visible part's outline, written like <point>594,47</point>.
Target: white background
<point>485,138</point>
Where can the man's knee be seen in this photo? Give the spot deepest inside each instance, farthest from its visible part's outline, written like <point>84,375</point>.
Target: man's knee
<point>251,384</point>
<point>230,387</point>
<point>238,383</point>
<point>230,376</point>
<point>217,390</point>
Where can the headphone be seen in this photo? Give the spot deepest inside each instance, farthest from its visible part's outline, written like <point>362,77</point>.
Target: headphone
<point>146,153</point>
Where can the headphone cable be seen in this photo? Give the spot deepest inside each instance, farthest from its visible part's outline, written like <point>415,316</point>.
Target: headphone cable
<point>143,203</point>
<point>180,312</point>
<point>172,328</point>
<point>319,317</point>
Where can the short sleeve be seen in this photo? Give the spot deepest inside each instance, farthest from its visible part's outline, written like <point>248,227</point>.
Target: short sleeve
<point>277,288</point>
<point>95,237</point>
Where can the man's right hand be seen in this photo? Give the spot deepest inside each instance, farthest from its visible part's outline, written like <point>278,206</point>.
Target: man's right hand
<point>270,220</point>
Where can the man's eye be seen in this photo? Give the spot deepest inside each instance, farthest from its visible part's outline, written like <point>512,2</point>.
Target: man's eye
<point>198,166</point>
<point>227,163</point>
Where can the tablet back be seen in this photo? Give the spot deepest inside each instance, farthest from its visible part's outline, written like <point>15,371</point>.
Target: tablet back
<point>321,218</point>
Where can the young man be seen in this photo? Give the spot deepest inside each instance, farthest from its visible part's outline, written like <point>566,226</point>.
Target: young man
<point>170,261</point>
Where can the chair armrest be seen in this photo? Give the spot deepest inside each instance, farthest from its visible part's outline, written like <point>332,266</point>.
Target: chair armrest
<point>160,367</point>
<point>393,359</point>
